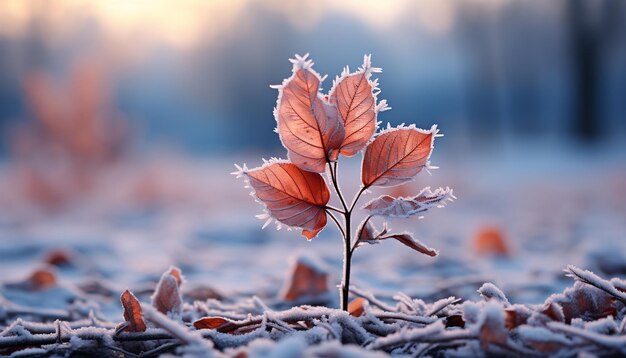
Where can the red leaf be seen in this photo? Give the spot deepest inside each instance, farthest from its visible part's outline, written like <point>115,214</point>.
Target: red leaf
<point>309,128</point>
<point>397,155</point>
<point>306,280</point>
<point>41,279</point>
<point>218,323</point>
<point>167,296</point>
<point>177,274</point>
<point>356,308</point>
<point>490,241</point>
<point>58,258</point>
<point>291,195</point>
<point>409,241</point>
<point>353,93</point>
<point>391,207</point>
<point>132,312</point>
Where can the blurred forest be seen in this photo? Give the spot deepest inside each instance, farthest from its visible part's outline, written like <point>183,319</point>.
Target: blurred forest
<point>189,74</point>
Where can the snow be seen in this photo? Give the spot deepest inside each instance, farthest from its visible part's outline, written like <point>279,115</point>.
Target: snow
<point>211,234</point>
<point>489,291</point>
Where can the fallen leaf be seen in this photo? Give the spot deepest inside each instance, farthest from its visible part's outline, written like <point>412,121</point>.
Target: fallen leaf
<point>166,297</point>
<point>132,312</point>
<point>455,321</point>
<point>305,281</point>
<point>176,273</point>
<point>41,279</point>
<point>554,311</point>
<point>309,128</point>
<point>396,156</point>
<point>356,308</point>
<point>292,196</point>
<point>218,323</point>
<point>490,241</point>
<point>58,258</point>
<point>514,317</point>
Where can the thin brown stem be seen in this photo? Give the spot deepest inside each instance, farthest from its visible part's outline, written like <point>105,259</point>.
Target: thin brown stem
<point>347,258</point>
<point>333,175</point>
<point>328,207</point>
<point>356,198</point>
<point>343,234</point>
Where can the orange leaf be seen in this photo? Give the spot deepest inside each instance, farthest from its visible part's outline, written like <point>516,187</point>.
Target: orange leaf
<point>357,307</point>
<point>291,195</point>
<point>218,323</point>
<point>178,276</point>
<point>42,278</point>
<point>58,258</point>
<point>132,312</point>
<point>391,207</point>
<point>354,95</point>
<point>397,155</point>
<point>305,281</point>
<point>490,241</point>
<point>166,296</point>
<point>309,128</point>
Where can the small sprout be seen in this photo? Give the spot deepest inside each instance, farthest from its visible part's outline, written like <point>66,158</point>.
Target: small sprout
<point>316,128</point>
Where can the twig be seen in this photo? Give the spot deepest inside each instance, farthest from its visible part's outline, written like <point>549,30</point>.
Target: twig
<point>592,279</point>
<point>343,233</point>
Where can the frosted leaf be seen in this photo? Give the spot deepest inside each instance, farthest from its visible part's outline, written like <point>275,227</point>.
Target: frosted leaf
<point>401,207</point>
<point>309,127</point>
<point>397,155</point>
<point>167,297</point>
<point>132,312</point>
<point>355,97</point>
<point>292,196</point>
<point>489,291</point>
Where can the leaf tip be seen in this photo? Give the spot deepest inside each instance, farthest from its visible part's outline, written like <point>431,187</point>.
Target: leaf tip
<point>241,170</point>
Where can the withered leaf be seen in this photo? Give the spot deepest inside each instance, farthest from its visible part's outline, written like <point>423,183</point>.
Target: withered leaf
<point>305,281</point>
<point>166,297</point>
<point>490,241</point>
<point>292,196</point>
<point>132,312</point>
<point>41,279</point>
<point>356,308</point>
<point>390,207</point>
<point>218,323</point>
<point>396,156</point>
<point>309,128</point>
<point>408,240</point>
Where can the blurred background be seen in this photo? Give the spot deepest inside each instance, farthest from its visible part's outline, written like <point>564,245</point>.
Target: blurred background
<point>120,121</point>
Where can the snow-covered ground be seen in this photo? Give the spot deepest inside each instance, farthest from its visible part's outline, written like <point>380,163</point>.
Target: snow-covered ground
<point>148,215</point>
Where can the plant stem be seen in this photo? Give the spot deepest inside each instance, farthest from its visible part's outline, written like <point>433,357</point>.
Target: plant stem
<point>347,258</point>
<point>333,176</point>
<point>346,232</point>
<point>343,234</point>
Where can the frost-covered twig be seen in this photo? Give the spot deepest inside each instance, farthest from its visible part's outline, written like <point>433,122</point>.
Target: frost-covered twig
<point>442,304</point>
<point>434,333</point>
<point>592,279</point>
<point>405,317</point>
<point>372,299</point>
<point>617,343</point>
<point>175,329</point>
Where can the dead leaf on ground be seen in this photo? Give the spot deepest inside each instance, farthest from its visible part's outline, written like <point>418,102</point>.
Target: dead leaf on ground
<point>132,312</point>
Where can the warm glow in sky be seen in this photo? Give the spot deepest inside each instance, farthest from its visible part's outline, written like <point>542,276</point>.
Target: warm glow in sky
<point>183,22</point>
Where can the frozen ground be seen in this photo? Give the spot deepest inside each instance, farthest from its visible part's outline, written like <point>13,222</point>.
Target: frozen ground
<point>148,215</point>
